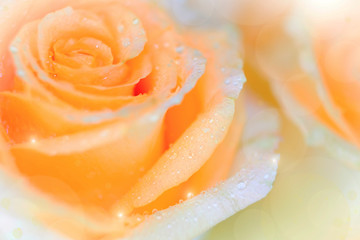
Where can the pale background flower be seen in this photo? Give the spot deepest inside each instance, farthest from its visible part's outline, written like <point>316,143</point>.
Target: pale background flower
<point>317,192</point>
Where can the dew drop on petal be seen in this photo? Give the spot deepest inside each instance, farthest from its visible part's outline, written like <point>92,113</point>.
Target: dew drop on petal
<point>126,42</point>
<point>179,49</point>
<point>206,130</point>
<point>190,195</point>
<point>21,73</point>
<point>136,21</point>
<point>120,28</point>
<point>13,49</point>
<point>241,185</point>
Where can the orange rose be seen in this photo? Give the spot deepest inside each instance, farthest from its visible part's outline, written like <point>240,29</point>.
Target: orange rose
<point>309,57</point>
<point>111,111</point>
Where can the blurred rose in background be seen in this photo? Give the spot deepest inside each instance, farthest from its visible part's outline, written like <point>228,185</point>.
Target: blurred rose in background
<point>303,57</point>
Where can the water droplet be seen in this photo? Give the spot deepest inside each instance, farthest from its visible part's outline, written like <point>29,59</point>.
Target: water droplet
<point>154,118</point>
<point>120,28</point>
<point>97,46</point>
<point>21,73</point>
<point>190,195</point>
<point>136,21</point>
<point>173,156</point>
<point>241,185</point>
<point>126,42</point>
<point>275,159</point>
<point>13,49</point>
<point>181,201</point>
<point>206,130</point>
<point>179,49</point>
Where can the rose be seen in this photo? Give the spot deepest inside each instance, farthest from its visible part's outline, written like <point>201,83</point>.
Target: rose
<point>336,52</point>
<point>315,195</point>
<point>304,63</point>
<point>107,112</point>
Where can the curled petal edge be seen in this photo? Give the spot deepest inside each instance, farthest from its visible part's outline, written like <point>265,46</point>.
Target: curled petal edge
<point>256,165</point>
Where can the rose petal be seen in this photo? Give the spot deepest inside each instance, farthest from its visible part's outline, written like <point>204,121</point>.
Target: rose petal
<point>257,164</point>
<point>184,158</point>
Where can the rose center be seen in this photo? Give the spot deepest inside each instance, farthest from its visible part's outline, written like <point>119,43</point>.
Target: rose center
<point>82,53</point>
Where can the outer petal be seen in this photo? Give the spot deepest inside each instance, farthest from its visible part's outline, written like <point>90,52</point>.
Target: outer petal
<point>257,169</point>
